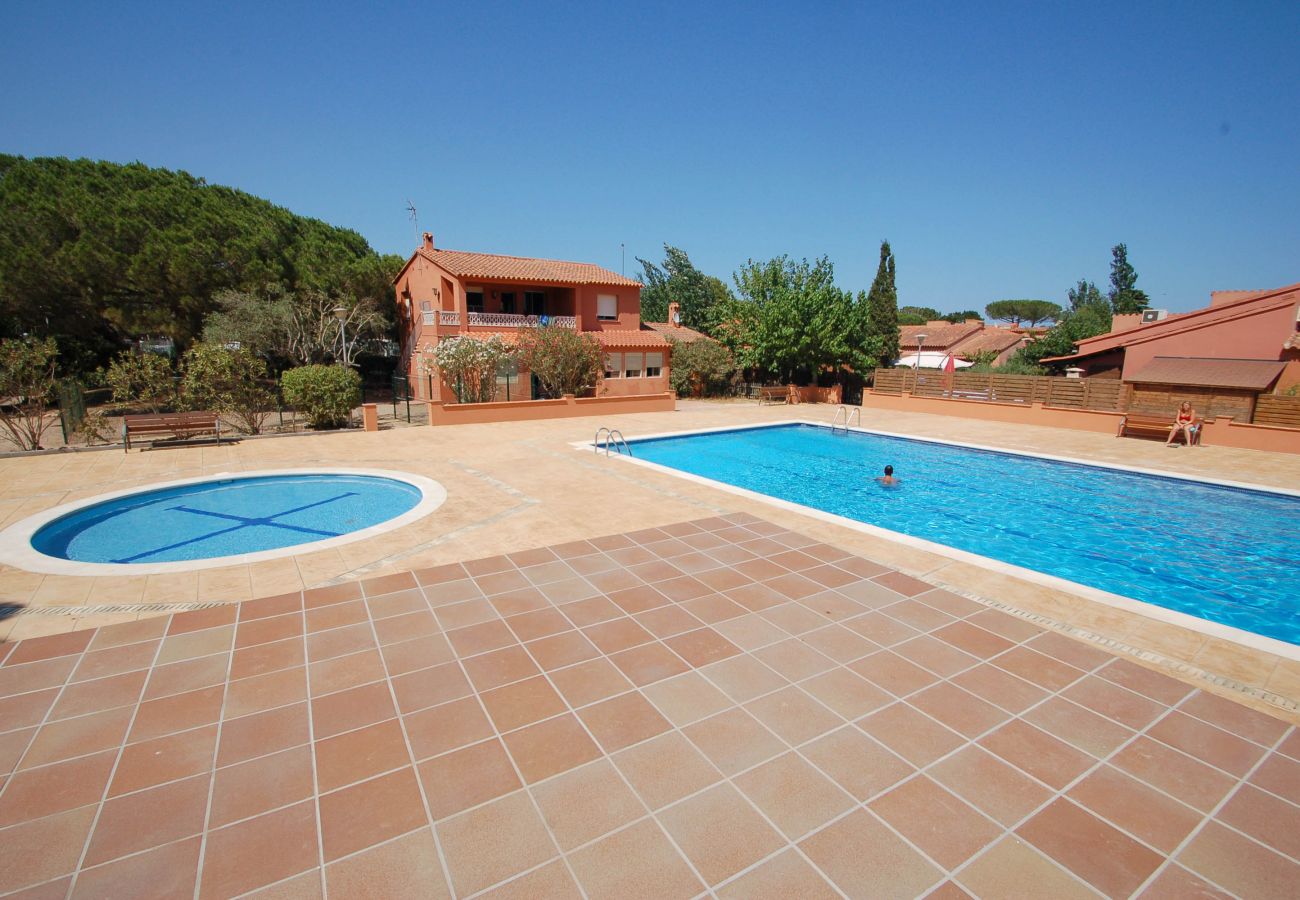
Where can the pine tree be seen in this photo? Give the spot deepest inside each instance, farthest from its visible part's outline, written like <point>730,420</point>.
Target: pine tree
<point>880,344</point>
<point>1124,295</point>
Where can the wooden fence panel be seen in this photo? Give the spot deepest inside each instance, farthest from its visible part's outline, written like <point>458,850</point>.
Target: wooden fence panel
<point>1070,393</point>
<point>1277,409</point>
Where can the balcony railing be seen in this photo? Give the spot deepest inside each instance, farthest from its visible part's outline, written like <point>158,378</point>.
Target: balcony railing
<point>448,317</point>
<point>510,320</point>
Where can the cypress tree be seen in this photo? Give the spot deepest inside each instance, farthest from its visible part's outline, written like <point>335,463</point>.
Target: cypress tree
<point>881,339</point>
<point>1124,295</point>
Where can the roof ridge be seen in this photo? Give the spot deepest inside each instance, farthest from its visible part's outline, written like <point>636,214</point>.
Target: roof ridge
<point>567,262</point>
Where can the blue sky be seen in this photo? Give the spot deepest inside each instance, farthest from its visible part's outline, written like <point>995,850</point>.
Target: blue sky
<point>1002,148</point>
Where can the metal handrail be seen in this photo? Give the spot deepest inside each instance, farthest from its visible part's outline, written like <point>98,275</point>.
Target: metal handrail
<point>613,438</point>
<point>848,417</point>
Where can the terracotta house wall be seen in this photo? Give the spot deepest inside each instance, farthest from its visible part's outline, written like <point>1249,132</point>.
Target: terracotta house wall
<point>1258,336</point>
<point>629,307</point>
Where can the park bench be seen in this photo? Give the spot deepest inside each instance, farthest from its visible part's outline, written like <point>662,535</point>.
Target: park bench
<point>779,394</point>
<point>1155,426</point>
<point>183,425</point>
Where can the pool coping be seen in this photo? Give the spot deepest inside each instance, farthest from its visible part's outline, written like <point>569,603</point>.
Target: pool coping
<point>16,548</point>
<point>1206,627</point>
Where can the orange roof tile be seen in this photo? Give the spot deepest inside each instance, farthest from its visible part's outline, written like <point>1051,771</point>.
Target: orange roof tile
<point>464,264</point>
<point>997,339</point>
<point>677,332</point>
<point>1247,374</point>
<point>629,338</point>
<point>940,338</point>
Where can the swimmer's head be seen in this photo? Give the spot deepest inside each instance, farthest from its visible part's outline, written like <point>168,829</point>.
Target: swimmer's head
<point>889,470</point>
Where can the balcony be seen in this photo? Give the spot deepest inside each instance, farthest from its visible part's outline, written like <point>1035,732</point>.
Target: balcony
<point>511,320</point>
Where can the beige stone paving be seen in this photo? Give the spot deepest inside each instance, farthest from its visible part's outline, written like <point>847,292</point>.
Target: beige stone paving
<point>517,485</point>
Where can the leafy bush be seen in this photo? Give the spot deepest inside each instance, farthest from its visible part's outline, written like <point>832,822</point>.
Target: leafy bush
<point>699,367</point>
<point>470,365</point>
<point>228,382</point>
<point>141,379</point>
<point>95,428</point>
<point>564,361</point>
<point>324,394</point>
<point>26,388</point>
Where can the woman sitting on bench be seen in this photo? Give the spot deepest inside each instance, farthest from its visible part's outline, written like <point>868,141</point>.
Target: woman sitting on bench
<point>1184,423</point>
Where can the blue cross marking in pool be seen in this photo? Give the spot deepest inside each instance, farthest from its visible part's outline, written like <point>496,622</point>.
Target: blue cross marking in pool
<point>244,522</point>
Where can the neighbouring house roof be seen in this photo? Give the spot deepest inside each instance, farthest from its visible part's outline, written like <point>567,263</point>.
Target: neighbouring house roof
<point>936,338</point>
<point>464,264</point>
<point>995,339</point>
<point>1245,374</point>
<point>618,339</point>
<point>678,332</point>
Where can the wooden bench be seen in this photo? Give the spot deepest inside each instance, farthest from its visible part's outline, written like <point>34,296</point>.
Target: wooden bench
<point>182,425</point>
<point>773,395</point>
<point>1156,426</point>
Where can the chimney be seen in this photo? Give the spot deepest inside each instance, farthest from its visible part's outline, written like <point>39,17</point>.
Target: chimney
<point>674,313</point>
<point>428,240</point>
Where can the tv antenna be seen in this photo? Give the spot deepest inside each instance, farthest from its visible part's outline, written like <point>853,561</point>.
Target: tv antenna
<point>415,224</point>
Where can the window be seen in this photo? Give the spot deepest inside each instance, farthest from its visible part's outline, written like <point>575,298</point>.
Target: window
<point>654,363</point>
<point>508,302</point>
<point>613,365</point>
<point>474,299</point>
<point>426,310</point>
<point>534,303</point>
<point>633,366</point>
<point>607,308</point>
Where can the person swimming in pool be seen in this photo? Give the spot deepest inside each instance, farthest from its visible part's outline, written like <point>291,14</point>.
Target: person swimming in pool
<point>888,479</point>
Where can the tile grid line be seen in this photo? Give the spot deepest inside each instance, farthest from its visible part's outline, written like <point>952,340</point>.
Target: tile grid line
<point>311,751</point>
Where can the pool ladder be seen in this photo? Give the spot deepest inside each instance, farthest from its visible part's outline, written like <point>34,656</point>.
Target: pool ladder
<point>848,415</point>
<point>613,438</point>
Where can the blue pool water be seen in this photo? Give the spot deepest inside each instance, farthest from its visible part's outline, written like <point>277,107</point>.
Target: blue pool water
<point>1220,553</point>
<point>224,518</point>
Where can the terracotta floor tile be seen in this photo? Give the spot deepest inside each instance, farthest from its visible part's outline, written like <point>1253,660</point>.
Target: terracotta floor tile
<point>733,740</point>
<point>1078,726</point>
<point>880,629</point>
<point>644,597</point>
<point>336,615</point>
<point>794,618</point>
<point>467,777</point>
<point>128,633</point>
<point>935,655</point>
<point>617,634</point>
<point>148,819</point>
<point>416,624</point>
<point>1009,626</point>
<point>397,604</point>
<point>990,785</point>
<point>491,670</point>
<point>269,630</point>
<point>164,759</point>
<point>719,832</point>
<point>43,849</point>
<point>702,647</point>
<point>542,623</point>
<point>1141,811</point>
<point>783,876</point>
<point>1157,686</point>
<point>343,672</point>
<point>446,727</point>
<point>78,737</point>
<point>1038,753</point>
<point>686,698</point>
<point>340,641</point>
<point>12,746</point>
<point>177,713</point>
<point>1000,688</point>
<point>167,871</point>
<point>520,841</point>
<point>549,747</point>
<point>581,805</point>
<point>666,769</point>
<point>387,584</point>
<point>590,681</point>
<point>55,788</point>
<point>26,709</point>
<point>1235,718</point>
<point>260,659</point>
<point>259,851</point>
<point>1044,671</point>
<point>1187,779</point>
<point>963,712</point>
<point>1175,883</point>
<point>1012,864</point>
<point>839,643</point>
<point>917,738</point>
<point>353,708</point>
<point>48,647</point>
<point>360,754</point>
<point>622,721</point>
<point>440,574</point>
<point>794,795</point>
<point>562,650</point>
<point>565,590</point>
<point>525,559</point>
<point>1114,702</point>
<point>857,763</point>
<point>715,609</point>
<point>267,732</point>
<point>637,863</point>
<point>405,867</point>
<point>417,653</point>
<point>456,590</point>
<point>742,678</point>
<point>846,693</point>
<point>1279,774</point>
<point>261,784</point>
<point>591,611</point>
<point>865,859</point>
<point>115,661</point>
<point>1266,818</point>
<point>1076,652</point>
<point>486,566</point>
<point>481,638</point>
<point>551,881</point>
<point>500,582</point>
<point>949,830</point>
<point>1095,851</point>
<point>973,640</point>
<point>263,692</point>
<point>649,663</point>
<point>427,687</point>
<point>522,703</point>
<point>793,715</point>
<point>753,597</point>
<point>188,675</point>
<point>314,598</point>
<point>370,812</point>
<point>667,621</point>
<point>1206,743</point>
<point>36,676</point>
<point>1238,864</point>
<point>892,672</point>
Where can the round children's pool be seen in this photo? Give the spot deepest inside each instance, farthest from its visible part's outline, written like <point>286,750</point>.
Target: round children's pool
<point>223,520</point>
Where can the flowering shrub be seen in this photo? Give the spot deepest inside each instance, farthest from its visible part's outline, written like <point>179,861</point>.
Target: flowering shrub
<point>470,366</point>
<point>564,361</point>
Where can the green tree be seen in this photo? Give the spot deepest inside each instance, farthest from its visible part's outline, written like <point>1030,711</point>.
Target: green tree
<point>1017,311</point>
<point>1084,321</point>
<point>142,379</point>
<point>26,389</point>
<point>470,366</point>
<point>917,315</point>
<point>880,344</point>
<point>1124,295</point>
<point>295,327</point>
<point>678,280</point>
<point>958,317</point>
<point>229,382</point>
<point>699,367</point>
<point>564,361</point>
<point>1085,293</point>
<point>326,395</point>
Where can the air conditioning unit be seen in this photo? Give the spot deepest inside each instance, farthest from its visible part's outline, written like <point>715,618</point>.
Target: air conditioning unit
<point>1154,315</point>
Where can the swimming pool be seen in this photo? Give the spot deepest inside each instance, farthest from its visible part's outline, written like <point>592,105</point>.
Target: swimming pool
<point>1219,553</point>
<point>216,521</point>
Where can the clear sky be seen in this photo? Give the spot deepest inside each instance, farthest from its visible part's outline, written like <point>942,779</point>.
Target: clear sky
<point>1002,148</point>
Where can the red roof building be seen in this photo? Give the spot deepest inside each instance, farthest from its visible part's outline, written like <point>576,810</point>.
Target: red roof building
<point>963,339</point>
